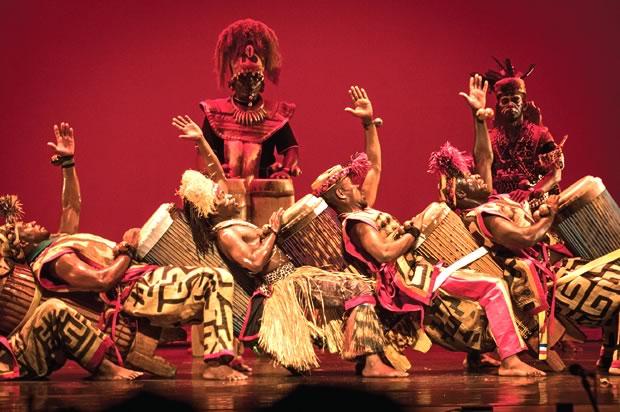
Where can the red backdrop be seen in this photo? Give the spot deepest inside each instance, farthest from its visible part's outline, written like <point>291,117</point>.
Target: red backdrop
<point>118,71</point>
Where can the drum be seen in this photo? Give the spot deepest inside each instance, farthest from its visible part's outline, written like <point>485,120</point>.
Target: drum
<point>311,235</point>
<point>19,297</point>
<point>588,219</point>
<point>444,238</point>
<point>166,239</point>
<point>236,187</point>
<point>268,195</point>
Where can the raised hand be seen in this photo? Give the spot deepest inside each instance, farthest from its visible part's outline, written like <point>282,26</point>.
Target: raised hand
<point>477,97</point>
<point>65,142</point>
<point>191,131</point>
<point>362,107</point>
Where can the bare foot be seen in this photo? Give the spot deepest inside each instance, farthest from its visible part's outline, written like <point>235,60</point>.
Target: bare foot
<point>375,368</point>
<point>222,373</point>
<point>109,371</point>
<point>513,366</point>
<point>239,365</point>
<point>476,361</point>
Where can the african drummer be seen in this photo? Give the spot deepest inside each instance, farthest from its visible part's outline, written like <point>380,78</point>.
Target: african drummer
<point>365,239</point>
<point>523,241</point>
<point>167,296</point>
<point>54,332</point>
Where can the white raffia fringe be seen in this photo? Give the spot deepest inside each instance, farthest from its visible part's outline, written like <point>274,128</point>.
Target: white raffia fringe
<point>291,321</point>
<point>198,190</point>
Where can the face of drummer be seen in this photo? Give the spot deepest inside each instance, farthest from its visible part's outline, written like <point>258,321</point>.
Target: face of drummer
<point>352,194</point>
<point>32,232</point>
<point>472,187</point>
<point>226,204</point>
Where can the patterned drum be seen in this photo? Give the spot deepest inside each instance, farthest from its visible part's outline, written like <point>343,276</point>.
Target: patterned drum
<point>589,219</point>
<point>444,238</point>
<point>268,195</point>
<point>19,297</point>
<point>166,239</point>
<point>311,235</point>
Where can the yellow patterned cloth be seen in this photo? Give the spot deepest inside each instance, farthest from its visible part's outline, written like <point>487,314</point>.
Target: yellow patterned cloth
<point>54,333</point>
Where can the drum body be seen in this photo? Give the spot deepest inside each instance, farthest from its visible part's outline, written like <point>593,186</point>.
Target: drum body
<point>311,235</point>
<point>589,219</point>
<point>267,196</point>
<point>236,187</point>
<point>444,238</point>
<point>19,297</point>
<point>166,239</point>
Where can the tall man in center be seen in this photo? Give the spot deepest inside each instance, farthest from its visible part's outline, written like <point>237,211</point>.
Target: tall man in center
<point>365,240</point>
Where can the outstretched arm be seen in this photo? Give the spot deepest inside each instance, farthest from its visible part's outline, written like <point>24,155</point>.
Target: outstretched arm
<point>483,151</point>
<point>516,238</point>
<point>191,131</point>
<point>71,201</point>
<point>253,259</point>
<point>381,249</point>
<point>362,108</point>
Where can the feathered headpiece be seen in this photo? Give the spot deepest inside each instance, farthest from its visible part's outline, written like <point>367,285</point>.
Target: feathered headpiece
<point>11,247</point>
<point>507,80</point>
<point>236,37</point>
<point>356,169</point>
<point>198,193</point>
<point>450,164</point>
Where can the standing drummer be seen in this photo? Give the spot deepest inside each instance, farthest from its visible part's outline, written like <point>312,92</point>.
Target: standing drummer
<point>523,241</point>
<point>525,160</point>
<point>365,240</point>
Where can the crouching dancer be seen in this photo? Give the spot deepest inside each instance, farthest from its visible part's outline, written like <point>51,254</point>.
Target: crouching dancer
<point>167,296</point>
<point>366,240</point>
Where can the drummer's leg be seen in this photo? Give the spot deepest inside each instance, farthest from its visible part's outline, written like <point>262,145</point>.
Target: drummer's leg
<point>172,295</point>
<point>363,334</point>
<point>492,294</point>
<point>56,332</point>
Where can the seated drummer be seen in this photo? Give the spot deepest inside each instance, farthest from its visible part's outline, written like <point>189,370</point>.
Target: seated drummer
<point>365,240</point>
<point>78,262</point>
<point>293,308</point>
<point>524,243</point>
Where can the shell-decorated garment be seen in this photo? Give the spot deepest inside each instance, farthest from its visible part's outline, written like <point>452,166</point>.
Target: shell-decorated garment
<point>219,113</point>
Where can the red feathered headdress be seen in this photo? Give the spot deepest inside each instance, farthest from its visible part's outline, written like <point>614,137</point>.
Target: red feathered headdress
<point>236,37</point>
<point>450,164</point>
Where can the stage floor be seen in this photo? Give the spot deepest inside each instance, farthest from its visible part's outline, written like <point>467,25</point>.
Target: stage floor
<point>436,384</point>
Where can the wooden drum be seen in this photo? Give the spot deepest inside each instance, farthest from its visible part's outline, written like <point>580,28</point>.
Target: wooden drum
<point>445,238</point>
<point>19,297</point>
<point>268,195</point>
<point>311,235</point>
<point>589,219</point>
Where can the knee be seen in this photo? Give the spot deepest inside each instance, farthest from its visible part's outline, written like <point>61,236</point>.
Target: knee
<point>224,276</point>
<point>55,306</point>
